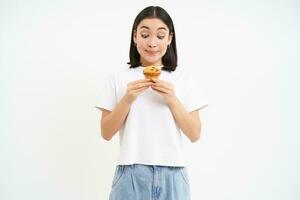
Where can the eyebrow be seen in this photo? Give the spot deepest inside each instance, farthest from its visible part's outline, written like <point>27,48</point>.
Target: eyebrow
<point>160,28</point>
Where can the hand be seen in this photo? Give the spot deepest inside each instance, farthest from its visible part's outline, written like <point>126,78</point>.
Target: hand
<point>135,88</point>
<point>166,89</point>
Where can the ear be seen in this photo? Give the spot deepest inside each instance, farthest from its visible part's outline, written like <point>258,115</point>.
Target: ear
<point>170,38</point>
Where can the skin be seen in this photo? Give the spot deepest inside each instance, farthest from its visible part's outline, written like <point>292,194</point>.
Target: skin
<point>152,38</point>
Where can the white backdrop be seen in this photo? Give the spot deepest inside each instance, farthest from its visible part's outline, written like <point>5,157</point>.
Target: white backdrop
<point>54,55</point>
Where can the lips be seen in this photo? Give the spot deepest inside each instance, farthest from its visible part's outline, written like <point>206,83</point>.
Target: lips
<point>152,53</point>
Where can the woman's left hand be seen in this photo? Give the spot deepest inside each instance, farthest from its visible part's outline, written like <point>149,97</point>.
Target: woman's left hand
<point>166,89</point>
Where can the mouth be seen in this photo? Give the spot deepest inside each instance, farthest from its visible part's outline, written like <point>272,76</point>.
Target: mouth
<point>152,53</point>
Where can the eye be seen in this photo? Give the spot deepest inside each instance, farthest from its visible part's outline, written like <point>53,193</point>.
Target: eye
<point>144,35</point>
<point>161,37</point>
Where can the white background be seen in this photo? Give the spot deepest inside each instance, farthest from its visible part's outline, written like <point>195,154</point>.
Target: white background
<point>54,55</point>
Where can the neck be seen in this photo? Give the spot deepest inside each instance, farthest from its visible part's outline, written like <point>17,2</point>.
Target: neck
<point>145,64</point>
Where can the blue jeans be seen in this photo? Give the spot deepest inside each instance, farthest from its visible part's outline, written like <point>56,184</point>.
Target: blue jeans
<point>150,182</point>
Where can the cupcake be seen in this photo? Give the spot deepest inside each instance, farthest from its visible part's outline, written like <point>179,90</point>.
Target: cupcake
<point>152,72</point>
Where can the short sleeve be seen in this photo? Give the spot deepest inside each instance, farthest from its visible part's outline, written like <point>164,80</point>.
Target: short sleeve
<point>107,98</point>
<point>196,98</point>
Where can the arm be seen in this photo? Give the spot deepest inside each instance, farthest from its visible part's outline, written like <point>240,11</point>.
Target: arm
<point>188,122</point>
<point>112,121</point>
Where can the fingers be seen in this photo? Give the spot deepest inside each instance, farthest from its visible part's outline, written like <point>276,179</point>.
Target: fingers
<point>141,81</point>
<point>141,85</point>
<point>139,90</point>
<point>156,80</point>
<point>134,88</point>
<point>165,85</point>
<point>160,89</point>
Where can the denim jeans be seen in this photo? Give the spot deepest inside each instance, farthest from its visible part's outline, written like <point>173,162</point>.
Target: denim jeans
<point>150,182</point>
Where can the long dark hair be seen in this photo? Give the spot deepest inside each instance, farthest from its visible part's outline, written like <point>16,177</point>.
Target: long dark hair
<point>169,60</point>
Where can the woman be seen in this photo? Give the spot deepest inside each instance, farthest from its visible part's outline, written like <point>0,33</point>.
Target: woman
<point>152,116</point>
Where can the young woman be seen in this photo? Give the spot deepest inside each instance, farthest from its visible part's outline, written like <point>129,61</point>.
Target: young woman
<point>152,116</point>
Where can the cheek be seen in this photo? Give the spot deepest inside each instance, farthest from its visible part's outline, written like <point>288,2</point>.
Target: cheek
<point>141,43</point>
<point>163,45</point>
<point>140,49</point>
<point>163,48</point>
<point>139,46</point>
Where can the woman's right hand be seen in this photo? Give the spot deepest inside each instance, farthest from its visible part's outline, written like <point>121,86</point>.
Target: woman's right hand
<point>135,88</point>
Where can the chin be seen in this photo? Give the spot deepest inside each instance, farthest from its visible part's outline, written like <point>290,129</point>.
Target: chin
<point>152,60</point>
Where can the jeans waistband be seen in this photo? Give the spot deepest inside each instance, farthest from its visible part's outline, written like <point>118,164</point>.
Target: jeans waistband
<point>150,166</point>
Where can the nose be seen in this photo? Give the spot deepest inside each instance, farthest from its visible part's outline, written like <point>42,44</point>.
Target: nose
<point>152,42</point>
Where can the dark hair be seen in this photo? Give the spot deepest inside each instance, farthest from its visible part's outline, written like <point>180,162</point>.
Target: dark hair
<point>169,60</point>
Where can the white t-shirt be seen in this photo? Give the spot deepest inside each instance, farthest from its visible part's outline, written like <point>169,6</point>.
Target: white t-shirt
<point>150,134</point>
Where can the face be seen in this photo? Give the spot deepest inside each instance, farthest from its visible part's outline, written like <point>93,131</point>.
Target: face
<point>152,38</point>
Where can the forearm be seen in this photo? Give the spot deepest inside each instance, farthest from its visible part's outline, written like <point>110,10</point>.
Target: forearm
<point>190,127</point>
<point>112,123</point>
